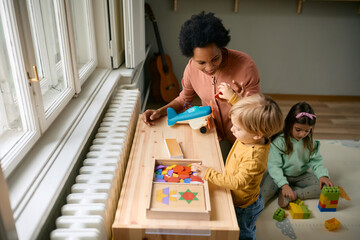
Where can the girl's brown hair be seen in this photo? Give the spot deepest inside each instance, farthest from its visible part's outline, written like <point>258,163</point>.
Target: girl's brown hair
<point>290,120</point>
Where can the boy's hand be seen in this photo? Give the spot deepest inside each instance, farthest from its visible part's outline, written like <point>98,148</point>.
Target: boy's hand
<point>326,181</point>
<point>288,192</point>
<point>198,169</point>
<point>227,91</point>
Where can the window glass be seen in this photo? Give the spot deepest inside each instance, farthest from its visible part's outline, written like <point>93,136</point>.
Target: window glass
<point>10,121</point>
<point>81,31</point>
<point>51,73</point>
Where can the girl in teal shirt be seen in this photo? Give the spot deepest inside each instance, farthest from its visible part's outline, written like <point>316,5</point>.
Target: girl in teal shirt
<point>292,154</point>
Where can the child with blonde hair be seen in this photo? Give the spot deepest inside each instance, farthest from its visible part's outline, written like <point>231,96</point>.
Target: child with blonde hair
<point>255,119</point>
<point>292,154</point>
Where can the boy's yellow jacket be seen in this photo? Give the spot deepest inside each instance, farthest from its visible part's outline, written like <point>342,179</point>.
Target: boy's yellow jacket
<point>244,169</point>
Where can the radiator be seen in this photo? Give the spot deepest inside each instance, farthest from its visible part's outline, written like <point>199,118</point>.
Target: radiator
<point>90,207</point>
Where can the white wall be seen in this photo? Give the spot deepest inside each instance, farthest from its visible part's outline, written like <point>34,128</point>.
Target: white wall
<point>315,52</point>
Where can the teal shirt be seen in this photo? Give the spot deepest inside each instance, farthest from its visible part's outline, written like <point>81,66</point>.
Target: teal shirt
<point>281,165</point>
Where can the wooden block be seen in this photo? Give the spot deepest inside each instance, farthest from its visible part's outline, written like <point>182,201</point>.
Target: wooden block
<point>173,148</point>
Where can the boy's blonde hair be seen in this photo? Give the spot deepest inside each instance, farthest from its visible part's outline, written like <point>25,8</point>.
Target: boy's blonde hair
<point>258,114</point>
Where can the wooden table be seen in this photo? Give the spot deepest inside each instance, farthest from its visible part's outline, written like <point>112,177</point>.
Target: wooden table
<point>130,220</point>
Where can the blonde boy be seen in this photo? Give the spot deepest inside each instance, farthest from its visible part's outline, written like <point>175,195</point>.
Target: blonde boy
<point>255,119</point>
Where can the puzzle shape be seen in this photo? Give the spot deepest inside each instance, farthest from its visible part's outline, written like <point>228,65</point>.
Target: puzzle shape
<point>329,199</point>
<point>165,195</point>
<point>188,196</point>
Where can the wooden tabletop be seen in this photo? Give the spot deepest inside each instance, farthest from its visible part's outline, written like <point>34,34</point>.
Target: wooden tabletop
<point>130,219</point>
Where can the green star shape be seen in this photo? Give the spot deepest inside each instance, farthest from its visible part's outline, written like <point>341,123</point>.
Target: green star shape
<point>188,196</point>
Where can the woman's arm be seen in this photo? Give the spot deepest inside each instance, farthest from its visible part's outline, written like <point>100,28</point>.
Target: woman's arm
<point>151,115</point>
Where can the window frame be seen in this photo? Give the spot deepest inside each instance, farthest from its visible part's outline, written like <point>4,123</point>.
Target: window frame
<point>26,107</point>
<point>47,116</point>
<point>83,73</point>
<point>22,56</point>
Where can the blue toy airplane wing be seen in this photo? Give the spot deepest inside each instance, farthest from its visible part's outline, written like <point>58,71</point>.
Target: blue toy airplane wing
<point>171,113</point>
<point>191,113</point>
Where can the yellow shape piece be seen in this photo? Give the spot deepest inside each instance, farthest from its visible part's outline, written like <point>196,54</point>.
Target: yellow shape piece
<point>172,193</point>
<point>171,167</point>
<point>175,175</point>
<point>164,172</point>
<point>181,180</point>
<point>160,195</point>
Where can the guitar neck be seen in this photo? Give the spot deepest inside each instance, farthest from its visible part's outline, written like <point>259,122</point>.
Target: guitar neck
<point>161,50</point>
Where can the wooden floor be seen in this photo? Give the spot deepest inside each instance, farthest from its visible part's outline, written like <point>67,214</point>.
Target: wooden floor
<point>338,117</point>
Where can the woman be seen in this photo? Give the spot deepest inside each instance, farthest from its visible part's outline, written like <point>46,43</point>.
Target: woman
<point>203,39</point>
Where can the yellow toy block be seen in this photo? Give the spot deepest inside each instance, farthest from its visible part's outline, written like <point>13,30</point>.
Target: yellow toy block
<point>295,211</point>
<point>299,211</point>
<point>332,224</point>
<point>323,199</point>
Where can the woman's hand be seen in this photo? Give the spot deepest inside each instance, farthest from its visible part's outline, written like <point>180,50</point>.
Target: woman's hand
<point>326,181</point>
<point>198,169</point>
<point>226,90</point>
<point>240,89</point>
<point>150,116</point>
<point>288,192</point>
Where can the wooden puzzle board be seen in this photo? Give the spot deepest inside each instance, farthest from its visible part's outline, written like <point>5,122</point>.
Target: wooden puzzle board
<point>177,197</point>
<point>177,200</point>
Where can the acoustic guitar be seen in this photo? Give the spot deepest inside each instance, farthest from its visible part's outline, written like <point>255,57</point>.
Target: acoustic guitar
<point>165,86</point>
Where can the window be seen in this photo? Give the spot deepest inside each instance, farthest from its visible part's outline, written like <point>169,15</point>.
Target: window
<point>57,41</point>
<point>84,37</point>
<point>9,109</point>
<point>18,127</point>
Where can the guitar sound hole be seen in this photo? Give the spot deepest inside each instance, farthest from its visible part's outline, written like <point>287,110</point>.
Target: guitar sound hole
<point>170,86</point>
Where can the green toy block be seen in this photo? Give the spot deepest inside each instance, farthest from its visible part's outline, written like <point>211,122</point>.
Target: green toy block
<point>331,193</point>
<point>305,211</point>
<point>279,214</point>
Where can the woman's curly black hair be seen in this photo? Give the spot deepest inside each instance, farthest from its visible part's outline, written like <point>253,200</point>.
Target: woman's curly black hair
<point>201,30</point>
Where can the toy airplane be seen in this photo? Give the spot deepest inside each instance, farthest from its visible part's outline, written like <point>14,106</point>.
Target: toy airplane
<point>197,117</point>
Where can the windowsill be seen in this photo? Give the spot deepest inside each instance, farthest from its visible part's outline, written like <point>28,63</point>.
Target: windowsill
<point>36,183</point>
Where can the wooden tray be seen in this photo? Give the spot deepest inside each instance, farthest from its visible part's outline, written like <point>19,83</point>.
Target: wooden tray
<point>169,200</point>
